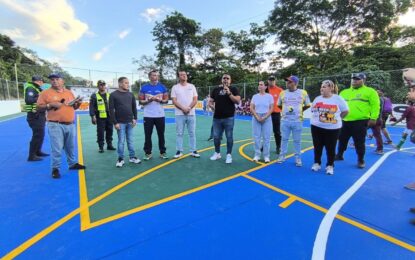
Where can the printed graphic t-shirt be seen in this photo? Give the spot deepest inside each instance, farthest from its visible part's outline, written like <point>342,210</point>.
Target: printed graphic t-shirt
<point>153,109</point>
<point>325,112</point>
<point>292,103</point>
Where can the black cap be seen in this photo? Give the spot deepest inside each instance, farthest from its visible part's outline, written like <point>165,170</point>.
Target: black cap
<point>37,78</point>
<point>55,75</point>
<point>271,77</point>
<point>100,82</point>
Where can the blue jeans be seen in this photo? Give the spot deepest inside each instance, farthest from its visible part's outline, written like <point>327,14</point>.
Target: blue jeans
<point>61,137</point>
<point>261,133</point>
<point>220,125</point>
<point>181,122</point>
<point>296,128</point>
<point>126,131</point>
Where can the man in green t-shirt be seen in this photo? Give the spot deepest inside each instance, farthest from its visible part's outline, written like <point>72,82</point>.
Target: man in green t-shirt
<point>364,107</point>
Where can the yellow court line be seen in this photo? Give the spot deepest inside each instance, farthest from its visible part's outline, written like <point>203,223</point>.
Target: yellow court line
<point>340,217</point>
<point>286,203</point>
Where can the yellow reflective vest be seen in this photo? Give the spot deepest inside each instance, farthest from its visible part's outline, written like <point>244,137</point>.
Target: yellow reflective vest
<point>101,105</point>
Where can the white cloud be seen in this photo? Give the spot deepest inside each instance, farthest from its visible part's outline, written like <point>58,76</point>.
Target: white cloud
<point>152,14</point>
<point>124,33</point>
<point>99,54</point>
<point>48,23</point>
<point>90,34</point>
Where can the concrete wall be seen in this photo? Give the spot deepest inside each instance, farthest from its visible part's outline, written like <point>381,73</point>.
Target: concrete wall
<point>9,107</point>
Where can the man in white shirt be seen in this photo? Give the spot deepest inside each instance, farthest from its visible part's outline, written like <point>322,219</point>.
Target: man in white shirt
<point>184,96</point>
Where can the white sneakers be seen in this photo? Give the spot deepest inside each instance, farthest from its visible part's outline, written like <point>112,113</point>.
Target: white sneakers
<point>255,159</point>
<point>330,170</point>
<point>134,160</point>
<point>228,158</point>
<point>266,159</point>
<point>217,156</point>
<point>120,163</point>
<point>316,167</point>
<point>178,155</point>
<point>298,162</point>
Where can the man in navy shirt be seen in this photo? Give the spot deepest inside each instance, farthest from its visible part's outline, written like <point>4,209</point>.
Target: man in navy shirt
<point>152,96</point>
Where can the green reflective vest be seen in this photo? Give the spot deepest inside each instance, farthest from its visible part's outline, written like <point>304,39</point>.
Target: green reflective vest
<point>30,107</point>
<point>363,102</point>
<point>101,105</point>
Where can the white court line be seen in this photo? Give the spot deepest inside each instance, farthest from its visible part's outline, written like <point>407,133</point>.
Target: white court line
<point>8,119</point>
<point>320,243</point>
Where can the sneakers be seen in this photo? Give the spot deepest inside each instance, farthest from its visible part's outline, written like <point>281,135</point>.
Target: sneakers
<point>178,155</point>
<point>120,163</point>
<point>361,164</point>
<point>34,158</point>
<point>42,154</point>
<point>266,159</point>
<point>55,173</point>
<point>388,142</point>
<point>330,170</point>
<point>316,167</point>
<point>134,160</point>
<point>228,158</point>
<point>281,159</point>
<point>147,156</point>
<point>255,159</point>
<point>77,166</point>
<point>380,152</point>
<point>164,156</point>
<point>215,156</point>
<point>298,162</point>
<point>210,139</point>
<point>338,157</point>
<point>101,149</point>
<point>195,154</point>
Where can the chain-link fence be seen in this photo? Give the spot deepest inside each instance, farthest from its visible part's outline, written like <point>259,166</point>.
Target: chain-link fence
<point>389,81</point>
<point>8,90</point>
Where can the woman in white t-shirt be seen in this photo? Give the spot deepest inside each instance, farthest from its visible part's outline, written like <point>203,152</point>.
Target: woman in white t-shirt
<point>262,105</point>
<point>327,112</point>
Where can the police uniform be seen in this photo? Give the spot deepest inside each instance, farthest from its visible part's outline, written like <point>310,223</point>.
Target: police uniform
<point>35,119</point>
<point>98,107</point>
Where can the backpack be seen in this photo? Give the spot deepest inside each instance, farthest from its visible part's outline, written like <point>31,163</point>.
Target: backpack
<point>387,105</point>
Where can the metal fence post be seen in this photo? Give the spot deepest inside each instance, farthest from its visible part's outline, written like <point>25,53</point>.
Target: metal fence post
<point>8,91</point>
<point>244,91</point>
<point>17,81</point>
<point>304,83</point>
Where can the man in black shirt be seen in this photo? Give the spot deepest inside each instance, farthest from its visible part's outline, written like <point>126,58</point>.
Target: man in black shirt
<point>222,102</point>
<point>98,110</point>
<point>35,119</point>
<point>123,113</point>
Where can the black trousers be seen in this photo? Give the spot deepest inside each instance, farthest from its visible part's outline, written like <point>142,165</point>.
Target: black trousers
<point>357,130</point>
<point>149,123</point>
<point>36,122</point>
<point>276,127</point>
<point>324,138</point>
<point>104,131</point>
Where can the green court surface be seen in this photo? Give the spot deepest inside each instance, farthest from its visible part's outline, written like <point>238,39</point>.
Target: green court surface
<point>117,192</point>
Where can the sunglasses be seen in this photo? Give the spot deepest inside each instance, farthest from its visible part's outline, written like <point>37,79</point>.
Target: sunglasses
<point>225,78</point>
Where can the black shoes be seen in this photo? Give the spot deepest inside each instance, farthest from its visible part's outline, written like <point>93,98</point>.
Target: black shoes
<point>55,173</point>
<point>361,164</point>
<point>77,166</point>
<point>338,157</point>
<point>110,147</point>
<point>101,149</point>
<point>34,158</point>
<point>42,154</point>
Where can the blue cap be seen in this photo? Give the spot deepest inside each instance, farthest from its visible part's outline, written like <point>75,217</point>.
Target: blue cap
<point>37,78</point>
<point>55,75</point>
<point>293,78</point>
<point>359,76</point>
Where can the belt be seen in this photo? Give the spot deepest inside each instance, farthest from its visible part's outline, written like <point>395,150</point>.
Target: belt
<point>62,123</point>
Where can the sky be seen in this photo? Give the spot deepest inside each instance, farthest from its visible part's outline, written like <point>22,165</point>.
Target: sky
<point>105,35</point>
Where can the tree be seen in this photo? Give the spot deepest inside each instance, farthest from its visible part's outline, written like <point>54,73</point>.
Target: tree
<point>174,36</point>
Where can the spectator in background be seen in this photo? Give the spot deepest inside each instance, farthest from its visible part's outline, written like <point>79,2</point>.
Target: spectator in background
<point>262,105</point>
<point>327,112</point>
<point>386,113</point>
<point>292,102</point>
<point>364,105</point>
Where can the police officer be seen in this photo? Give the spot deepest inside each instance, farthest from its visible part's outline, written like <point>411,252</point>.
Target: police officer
<point>98,110</point>
<point>35,118</point>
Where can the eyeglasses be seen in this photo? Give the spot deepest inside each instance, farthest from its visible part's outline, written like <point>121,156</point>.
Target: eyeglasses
<point>225,78</point>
